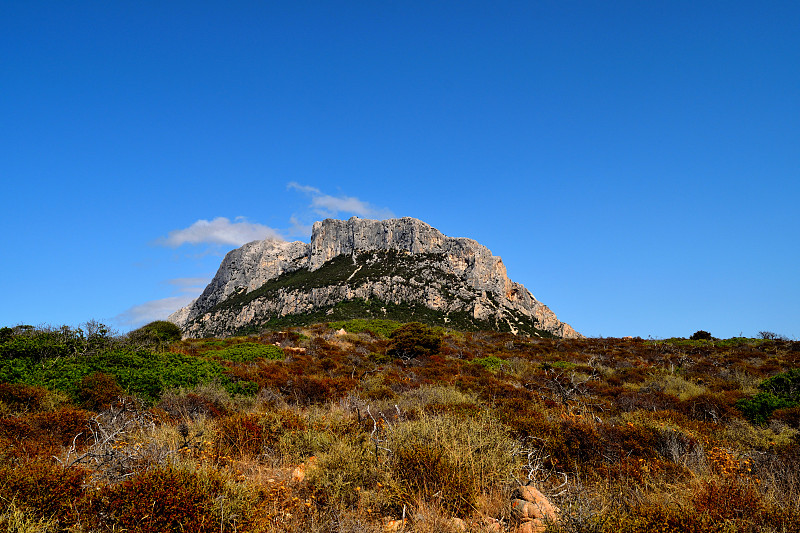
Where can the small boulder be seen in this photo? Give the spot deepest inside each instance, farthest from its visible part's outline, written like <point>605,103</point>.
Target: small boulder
<point>458,524</point>
<point>531,504</point>
<point>534,526</point>
<point>493,525</point>
<point>299,473</point>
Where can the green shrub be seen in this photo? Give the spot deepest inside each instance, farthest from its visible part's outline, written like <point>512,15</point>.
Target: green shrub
<point>491,362</point>
<point>785,385</point>
<point>760,407</point>
<point>158,332</point>
<point>701,335</point>
<point>414,340</point>
<point>778,392</point>
<point>141,372</point>
<point>248,351</point>
<point>379,327</point>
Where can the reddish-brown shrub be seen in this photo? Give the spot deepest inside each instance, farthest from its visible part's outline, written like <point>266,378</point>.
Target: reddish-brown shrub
<point>789,416</point>
<point>307,390</point>
<point>99,391</point>
<point>164,499</point>
<point>44,487</point>
<point>22,398</point>
<point>239,434</point>
<point>711,407</point>
<point>729,499</point>
<point>437,368</point>
<point>576,443</point>
<point>61,425</point>
<point>648,400</point>
<point>44,433</point>
<point>525,423</point>
<point>274,424</point>
<point>192,405</point>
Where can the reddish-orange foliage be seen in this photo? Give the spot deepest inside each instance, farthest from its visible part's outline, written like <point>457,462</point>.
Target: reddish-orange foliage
<point>43,434</point>
<point>22,398</point>
<point>44,487</point>
<point>191,406</point>
<point>99,391</point>
<point>163,499</point>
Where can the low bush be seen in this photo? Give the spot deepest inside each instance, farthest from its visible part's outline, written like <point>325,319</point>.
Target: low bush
<point>43,488</point>
<point>701,335</point>
<point>140,372</point>
<point>43,434</point>
<point>248,351</point>
<point>349,472</point>
<point>163,499</point>
<point>449,460</point>
<point>205,400</point>
<point>414,340</point>
<point>19,398</point>
<point>98,391</point>
<point>156,333</point>
<point>778,392</point>
<point>239,435</point>
<point>491,363</point>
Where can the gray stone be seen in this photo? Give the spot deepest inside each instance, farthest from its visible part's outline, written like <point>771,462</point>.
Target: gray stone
<point>473,280</point>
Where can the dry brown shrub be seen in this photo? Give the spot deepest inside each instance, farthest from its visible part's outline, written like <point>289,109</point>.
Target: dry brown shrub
<point>99,391</point>
<point>44,488</point>
<point>238,435</point>
<point>19,398</point>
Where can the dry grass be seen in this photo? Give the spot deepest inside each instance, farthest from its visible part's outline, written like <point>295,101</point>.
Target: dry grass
<point>609,429</point>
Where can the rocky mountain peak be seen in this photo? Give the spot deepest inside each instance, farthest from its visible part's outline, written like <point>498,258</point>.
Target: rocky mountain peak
<point>396,263</point>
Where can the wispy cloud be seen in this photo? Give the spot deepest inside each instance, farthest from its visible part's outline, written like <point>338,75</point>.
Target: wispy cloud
<point>193,286</point>
<point>298,229</point>
<point>219,231</point>
<point>330,206</point>
<point>184,290</point>
<point>142,314</point>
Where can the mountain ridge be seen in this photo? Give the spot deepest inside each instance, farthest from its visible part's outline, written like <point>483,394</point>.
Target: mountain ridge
<point>395,262</point>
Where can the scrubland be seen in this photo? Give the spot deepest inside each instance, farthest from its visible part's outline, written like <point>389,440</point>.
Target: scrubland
<point>352,427</point>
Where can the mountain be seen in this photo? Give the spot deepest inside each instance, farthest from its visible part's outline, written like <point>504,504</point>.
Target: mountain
<point>400,269</point>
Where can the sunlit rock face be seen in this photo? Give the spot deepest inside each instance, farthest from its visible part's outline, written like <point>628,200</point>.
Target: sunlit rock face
<point>383,267</point>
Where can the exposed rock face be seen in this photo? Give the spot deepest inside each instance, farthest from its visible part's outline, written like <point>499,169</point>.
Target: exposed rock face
<point>243,270</point>
<point>397,262</point>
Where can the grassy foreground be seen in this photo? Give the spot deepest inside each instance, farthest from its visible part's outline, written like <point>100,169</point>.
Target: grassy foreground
<point>351,426</point>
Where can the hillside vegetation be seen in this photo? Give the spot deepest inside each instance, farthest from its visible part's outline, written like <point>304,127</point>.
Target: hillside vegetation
<point>351,426</point>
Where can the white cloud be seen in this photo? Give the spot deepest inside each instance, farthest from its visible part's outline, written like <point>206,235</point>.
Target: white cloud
<point>330,206</point>
<point>189,285</point>
<point>185,290</point>
<point>219,231</point>
<point>142,314</point>
<point>298,229</point>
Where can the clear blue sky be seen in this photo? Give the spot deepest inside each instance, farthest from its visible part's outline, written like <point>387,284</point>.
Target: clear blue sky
<point>635,164</point>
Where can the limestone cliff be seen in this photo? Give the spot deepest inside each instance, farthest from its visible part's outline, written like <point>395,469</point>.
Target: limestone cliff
<point>398,268</point>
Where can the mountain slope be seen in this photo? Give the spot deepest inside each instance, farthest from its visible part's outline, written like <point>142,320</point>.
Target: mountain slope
<point>398,268</point>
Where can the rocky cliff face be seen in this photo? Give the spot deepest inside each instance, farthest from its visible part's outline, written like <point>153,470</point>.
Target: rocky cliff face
<point>399,268</point>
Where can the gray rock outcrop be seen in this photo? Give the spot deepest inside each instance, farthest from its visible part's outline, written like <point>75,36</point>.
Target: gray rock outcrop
<point>398,261</point>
